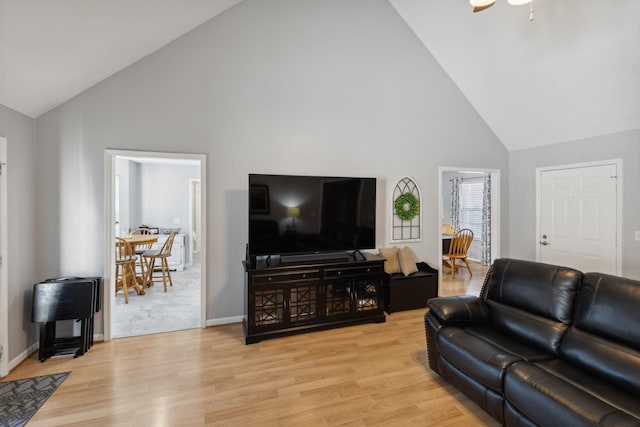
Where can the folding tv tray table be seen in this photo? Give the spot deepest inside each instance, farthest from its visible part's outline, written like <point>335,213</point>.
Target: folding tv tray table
<point>67,298</point>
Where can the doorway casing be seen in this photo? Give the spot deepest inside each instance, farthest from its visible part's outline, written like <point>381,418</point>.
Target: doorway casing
<point>195,220</point>
<point>109,231</point>
<point>4,276</point>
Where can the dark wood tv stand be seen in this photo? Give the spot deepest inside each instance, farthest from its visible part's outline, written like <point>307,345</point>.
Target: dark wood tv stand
<point>310,296</point>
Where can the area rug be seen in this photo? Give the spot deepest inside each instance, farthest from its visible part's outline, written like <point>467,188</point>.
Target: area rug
<point>20,399</point>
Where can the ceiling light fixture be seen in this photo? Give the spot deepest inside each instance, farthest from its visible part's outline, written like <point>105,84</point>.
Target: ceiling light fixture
<point>480,5</point>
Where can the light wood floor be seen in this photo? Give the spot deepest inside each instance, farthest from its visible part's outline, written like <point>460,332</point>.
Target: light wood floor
<point>463,283</point>
<point>363,375</point>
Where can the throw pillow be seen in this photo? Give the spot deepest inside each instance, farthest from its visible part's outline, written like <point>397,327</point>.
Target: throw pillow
<point>391,263</point>
<point>407,261</point>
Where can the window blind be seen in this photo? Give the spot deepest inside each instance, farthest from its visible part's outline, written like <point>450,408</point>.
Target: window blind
<point>471,198</point>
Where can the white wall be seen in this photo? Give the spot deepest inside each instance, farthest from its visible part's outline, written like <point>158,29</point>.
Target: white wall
<point>334,87</point>
<point>522,188</point>
<point>165,195</point>
<point>19,130</point>
<point>154,194</point>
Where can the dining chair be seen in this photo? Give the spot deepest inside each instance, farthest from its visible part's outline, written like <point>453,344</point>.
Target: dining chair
<point>162,254</point>
<point>125,268</point>
<point>458,250</point>
<point>141,249</point>
<point>447,228</point>
<point>140,230</point>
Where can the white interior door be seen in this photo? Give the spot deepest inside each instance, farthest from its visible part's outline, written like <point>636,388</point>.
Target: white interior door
<point>578,217</point>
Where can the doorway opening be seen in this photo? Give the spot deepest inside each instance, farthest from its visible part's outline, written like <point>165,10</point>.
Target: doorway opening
<point>480,188</point>
<point>154,192</point>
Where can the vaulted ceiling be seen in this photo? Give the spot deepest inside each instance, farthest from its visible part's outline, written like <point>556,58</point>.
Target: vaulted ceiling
<point>51,50</point>
<point>571,73</point>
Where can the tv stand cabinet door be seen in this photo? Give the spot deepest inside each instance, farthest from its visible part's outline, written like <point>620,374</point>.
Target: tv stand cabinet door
<point>280,300</point>
<point>353,291</point>
<point>266,308</point>
<point>368,293</point>
<point>302,302</point>
<point>338,299</point>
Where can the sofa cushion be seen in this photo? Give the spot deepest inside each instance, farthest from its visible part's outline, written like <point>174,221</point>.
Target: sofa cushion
<point>608,306</point>
<point>483,353</point>
<point>556,393</point>
<point>603,390</point>
<point>543,289</point>
<point>514,418</point>
<point>605,338</point>
<point>532,294</point>
<point>535,330</point>
<point>609,360</point>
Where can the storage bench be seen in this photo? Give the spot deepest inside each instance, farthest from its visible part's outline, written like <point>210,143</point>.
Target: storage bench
<point>410,292</point>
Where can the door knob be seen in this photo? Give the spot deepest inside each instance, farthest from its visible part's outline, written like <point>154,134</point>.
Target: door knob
<point>545,243</point>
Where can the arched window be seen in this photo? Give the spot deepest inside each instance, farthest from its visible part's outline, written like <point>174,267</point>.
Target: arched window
<point>406,211</point>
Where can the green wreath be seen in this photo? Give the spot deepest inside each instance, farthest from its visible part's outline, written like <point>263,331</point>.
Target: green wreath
<point>406,206</point>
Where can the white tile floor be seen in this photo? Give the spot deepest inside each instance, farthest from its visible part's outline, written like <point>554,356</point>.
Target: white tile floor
<point>156,311</point>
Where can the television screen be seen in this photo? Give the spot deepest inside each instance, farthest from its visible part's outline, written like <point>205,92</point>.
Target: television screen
<point>310,214</point>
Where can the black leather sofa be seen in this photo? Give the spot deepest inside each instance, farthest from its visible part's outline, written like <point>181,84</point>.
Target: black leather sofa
<point>542,345</point>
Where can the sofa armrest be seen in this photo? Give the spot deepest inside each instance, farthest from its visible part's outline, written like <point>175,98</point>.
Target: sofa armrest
<point>459,309</point>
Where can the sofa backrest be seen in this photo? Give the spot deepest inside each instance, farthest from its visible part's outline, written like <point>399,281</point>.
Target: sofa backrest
<point>605,336</point>
<point>531,301</point>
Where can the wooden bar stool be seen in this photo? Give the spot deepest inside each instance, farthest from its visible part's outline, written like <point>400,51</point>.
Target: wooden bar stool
<point>139,250</point>
<point>162,254</point>
<point>126,269</point>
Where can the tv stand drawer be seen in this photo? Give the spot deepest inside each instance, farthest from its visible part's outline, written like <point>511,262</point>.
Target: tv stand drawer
<point>338,273</point>
<point>298,275</point>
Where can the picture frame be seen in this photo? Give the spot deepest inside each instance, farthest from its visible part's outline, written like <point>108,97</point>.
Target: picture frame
<point>259,199</point>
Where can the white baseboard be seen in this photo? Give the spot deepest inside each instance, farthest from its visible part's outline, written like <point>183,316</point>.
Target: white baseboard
<point>224,321</point>
<point>23,356</point>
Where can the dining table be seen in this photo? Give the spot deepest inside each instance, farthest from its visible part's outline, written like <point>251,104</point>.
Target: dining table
<point>139,242</point>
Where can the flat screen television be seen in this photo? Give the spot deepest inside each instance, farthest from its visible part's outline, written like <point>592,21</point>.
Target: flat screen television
<point>310,214</point>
